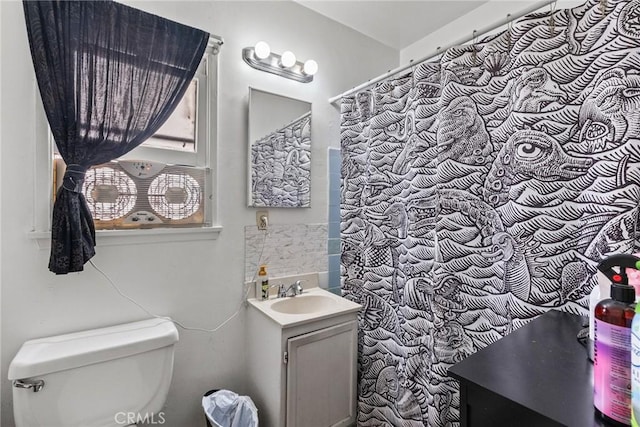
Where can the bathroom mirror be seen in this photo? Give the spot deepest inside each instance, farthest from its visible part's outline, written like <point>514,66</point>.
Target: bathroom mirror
<point>279,151</point>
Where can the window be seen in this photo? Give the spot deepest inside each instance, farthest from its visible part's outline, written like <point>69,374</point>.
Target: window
<point>179,131</point>
<point>187,136</point>
<point>134,192</point>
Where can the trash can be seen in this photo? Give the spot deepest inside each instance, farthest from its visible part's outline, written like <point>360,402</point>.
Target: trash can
<point>224,408</point>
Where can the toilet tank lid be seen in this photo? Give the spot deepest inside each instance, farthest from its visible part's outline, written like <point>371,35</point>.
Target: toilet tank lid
<point>52,354</point>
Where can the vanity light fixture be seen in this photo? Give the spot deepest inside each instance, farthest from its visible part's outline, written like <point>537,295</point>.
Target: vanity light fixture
<point>286,65</point>
<point>288,59</point>
<point>310,67</point>
<point>262,50</point>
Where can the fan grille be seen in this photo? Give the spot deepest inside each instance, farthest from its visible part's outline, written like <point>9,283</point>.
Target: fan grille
<point>175,195</point>
<point>110,193</point>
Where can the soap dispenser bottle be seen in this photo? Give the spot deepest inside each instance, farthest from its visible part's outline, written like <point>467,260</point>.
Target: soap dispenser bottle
<point>612,344</point>
<point>635,352</point>
<point>262,288</point>
<point>635,367</point>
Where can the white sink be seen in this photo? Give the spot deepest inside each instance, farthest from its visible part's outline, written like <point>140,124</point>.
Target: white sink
<point>303,304</point>
<point>312,305</point>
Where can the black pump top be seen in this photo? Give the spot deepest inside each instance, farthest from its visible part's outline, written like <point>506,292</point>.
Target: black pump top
<point>623,293</point>
<point>622,262</point>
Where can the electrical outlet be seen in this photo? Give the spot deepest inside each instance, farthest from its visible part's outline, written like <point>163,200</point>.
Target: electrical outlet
<point>262,220</point>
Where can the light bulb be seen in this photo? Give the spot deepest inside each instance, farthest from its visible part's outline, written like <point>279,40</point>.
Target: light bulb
<point>288,59</point>
<point>310,67</point>
<point>262,50</point>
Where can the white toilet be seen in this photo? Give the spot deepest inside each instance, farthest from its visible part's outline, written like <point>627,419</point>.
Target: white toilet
<point>114,376</point>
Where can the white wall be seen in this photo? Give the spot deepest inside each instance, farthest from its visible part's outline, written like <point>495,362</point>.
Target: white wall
<point>269,113</point>
<point>198,283</point>
<point>480,18</point>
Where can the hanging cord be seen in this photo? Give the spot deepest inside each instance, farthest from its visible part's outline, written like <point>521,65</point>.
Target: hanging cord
<point>245,294</point>
<point>552,19</point>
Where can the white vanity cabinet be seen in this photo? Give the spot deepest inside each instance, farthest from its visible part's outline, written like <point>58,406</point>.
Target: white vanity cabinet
<point>321,377</point>
<point>302,369</point>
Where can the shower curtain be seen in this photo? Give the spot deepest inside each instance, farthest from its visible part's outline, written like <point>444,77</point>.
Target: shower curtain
<point>479,191</point>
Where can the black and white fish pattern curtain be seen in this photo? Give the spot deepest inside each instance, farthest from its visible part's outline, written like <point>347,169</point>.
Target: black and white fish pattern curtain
<point>479,191</point>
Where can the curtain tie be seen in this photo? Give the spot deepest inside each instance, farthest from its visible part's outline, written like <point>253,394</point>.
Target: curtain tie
<point>74,178</point>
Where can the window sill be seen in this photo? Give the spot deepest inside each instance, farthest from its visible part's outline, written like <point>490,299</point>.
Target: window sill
<point>136,237</point>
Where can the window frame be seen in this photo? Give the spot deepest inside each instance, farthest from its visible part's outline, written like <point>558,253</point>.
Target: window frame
<point>205,156</point>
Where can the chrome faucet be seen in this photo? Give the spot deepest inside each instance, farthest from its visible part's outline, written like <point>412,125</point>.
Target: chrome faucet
<point>291,291</point>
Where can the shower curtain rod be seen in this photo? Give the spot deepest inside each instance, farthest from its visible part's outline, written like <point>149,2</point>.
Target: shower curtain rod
<point>439,50</point>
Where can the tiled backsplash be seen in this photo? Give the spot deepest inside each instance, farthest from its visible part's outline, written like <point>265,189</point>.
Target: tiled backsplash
<point>288,249</point>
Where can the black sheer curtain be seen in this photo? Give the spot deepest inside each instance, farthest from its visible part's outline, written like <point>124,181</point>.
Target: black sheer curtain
<point>109,76</point>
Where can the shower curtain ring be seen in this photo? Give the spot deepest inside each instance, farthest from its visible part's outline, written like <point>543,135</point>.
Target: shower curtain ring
<point>552,20</point>
<point>413,74</point>
<point>474,52</point>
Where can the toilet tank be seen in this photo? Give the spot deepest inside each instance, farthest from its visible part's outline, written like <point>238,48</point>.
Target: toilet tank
<point>111,376</point>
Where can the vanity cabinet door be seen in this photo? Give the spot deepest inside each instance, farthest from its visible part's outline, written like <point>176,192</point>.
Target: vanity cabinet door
<point>321,377</point>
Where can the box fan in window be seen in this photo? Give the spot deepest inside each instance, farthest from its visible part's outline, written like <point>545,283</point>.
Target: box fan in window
<point>144,194</point>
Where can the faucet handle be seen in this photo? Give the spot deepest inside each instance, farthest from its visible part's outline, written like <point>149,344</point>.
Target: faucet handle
<point>282,292</point>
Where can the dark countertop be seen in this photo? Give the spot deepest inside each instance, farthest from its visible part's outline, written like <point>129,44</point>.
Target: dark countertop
<point>540,366</point>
